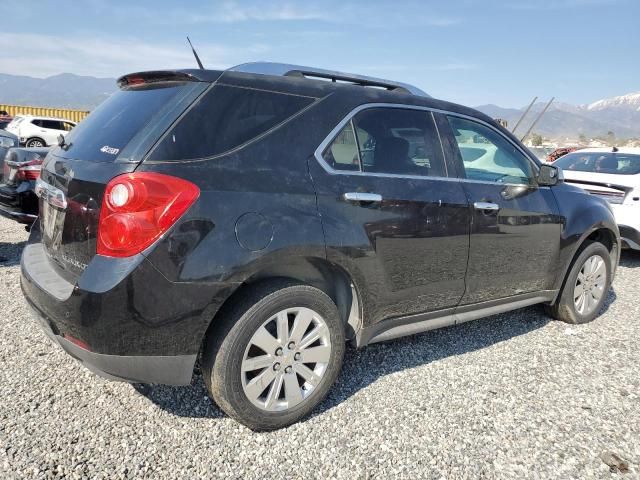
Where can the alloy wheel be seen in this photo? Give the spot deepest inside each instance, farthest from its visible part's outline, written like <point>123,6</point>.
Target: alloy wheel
<point>286,359</point>
<point>589,287</point>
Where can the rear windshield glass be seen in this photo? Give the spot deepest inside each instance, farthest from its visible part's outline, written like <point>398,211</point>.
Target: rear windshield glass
<point>225,118</point>
<point>598,162</point>
<point>102,135</point>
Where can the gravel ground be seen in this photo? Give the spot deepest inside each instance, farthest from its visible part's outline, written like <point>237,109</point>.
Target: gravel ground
<point>512,396</point>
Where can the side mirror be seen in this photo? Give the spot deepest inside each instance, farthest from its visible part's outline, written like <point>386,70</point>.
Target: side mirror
<point>549,175</point>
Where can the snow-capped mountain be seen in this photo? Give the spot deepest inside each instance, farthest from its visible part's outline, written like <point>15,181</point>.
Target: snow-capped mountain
<point>630,101</point>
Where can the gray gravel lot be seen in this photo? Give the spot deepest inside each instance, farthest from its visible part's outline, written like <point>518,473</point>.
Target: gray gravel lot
<point>511,396</point>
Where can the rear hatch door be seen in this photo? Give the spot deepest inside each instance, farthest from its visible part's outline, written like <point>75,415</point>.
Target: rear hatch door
<point>111,141</point>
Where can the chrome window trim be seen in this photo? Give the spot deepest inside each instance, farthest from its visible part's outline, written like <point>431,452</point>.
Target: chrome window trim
<point>349,117</point>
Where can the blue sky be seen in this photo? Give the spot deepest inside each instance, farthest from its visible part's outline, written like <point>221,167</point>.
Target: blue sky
<point>468,51</point>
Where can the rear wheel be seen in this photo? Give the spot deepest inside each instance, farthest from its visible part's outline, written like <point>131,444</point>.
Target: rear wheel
<point>35,142</point>
<point>275,356</point>
<point>586,287</point>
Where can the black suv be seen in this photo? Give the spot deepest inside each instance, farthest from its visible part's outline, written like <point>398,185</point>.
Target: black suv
<point>260,217</point>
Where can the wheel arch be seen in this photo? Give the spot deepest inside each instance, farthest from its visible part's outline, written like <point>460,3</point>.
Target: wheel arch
<point>601,233</point>
<point>314,271</point>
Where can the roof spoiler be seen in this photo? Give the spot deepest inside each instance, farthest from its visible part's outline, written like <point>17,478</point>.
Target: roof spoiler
<point>157,76</point>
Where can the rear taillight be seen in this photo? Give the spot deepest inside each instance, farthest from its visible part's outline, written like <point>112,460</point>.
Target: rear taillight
<point>138,208</point>
<point>29,170</point>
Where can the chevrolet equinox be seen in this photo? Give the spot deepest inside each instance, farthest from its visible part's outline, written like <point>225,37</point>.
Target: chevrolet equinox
<point>257,219</point>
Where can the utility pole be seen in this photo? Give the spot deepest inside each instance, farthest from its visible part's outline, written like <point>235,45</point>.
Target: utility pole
<point>544,110</point>
<point>526,112</point>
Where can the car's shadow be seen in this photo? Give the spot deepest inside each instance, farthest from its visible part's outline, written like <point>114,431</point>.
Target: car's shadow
<point>630,259</point>
<point>363,367</point>
<point>10,253</point>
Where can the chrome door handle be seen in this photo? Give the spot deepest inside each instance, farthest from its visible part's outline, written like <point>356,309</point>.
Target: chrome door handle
<point>486,206</point>
<point>362,197</point>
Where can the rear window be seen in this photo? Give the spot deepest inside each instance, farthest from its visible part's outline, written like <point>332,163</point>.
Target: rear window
<point>226,118</point>
<point>102,135</point>
<point>597,162</point>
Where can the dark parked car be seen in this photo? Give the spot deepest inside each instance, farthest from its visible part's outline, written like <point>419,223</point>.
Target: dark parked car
<point>7,141</point>
<point>560,152</point>
<point>5,119</point>
<point>4,116</point>
<point>20,171</point>
<point>260,217</point>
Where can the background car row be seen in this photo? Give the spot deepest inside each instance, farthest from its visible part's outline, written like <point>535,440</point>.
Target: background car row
<point>20,169</point>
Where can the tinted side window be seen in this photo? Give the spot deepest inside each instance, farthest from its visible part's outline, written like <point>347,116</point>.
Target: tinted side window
<point>53,124</point>
<point>36,122</point>
<point>343,154</point>
<point>225,118</point>
<point>601,162</point>
<point>487,155</point>
<point>399,141</point>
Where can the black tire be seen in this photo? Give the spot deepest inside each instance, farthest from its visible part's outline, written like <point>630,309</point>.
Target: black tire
<point>225,346</point>
<point>565,308</point>
<point>35,142</point>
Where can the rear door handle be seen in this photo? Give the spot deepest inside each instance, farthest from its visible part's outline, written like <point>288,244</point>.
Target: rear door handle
<point>362,197</point>
<point>494,207</point>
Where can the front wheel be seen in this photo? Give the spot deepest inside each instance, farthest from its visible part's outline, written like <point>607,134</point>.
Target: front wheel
<point>35,142</point>
<point>586,286</point>
<point>275,355</point>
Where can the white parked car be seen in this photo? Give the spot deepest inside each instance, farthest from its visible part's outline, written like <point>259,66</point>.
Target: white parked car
<point>613,174</point>
<point>34,131</point>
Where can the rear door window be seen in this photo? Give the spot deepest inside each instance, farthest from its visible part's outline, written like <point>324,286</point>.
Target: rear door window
<point>52,124</point>
<point>225,118</point>
<point>399,141</point>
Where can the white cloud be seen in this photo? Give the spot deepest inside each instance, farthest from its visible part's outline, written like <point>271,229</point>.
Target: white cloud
<point>231,12</point>
<point>342,13</point>
<point>44,55</point>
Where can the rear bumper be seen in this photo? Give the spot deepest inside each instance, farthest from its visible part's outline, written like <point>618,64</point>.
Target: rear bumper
<point>122,318</point>
<point>21,206</point>
<point>169,370</point>
<point>17,215</point>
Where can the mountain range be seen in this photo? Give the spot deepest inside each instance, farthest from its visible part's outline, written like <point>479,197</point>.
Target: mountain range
<point>620,115</point>
<point>62,91</point>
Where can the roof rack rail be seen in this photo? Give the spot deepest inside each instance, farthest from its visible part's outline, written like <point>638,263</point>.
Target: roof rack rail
<point>283,69</point>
